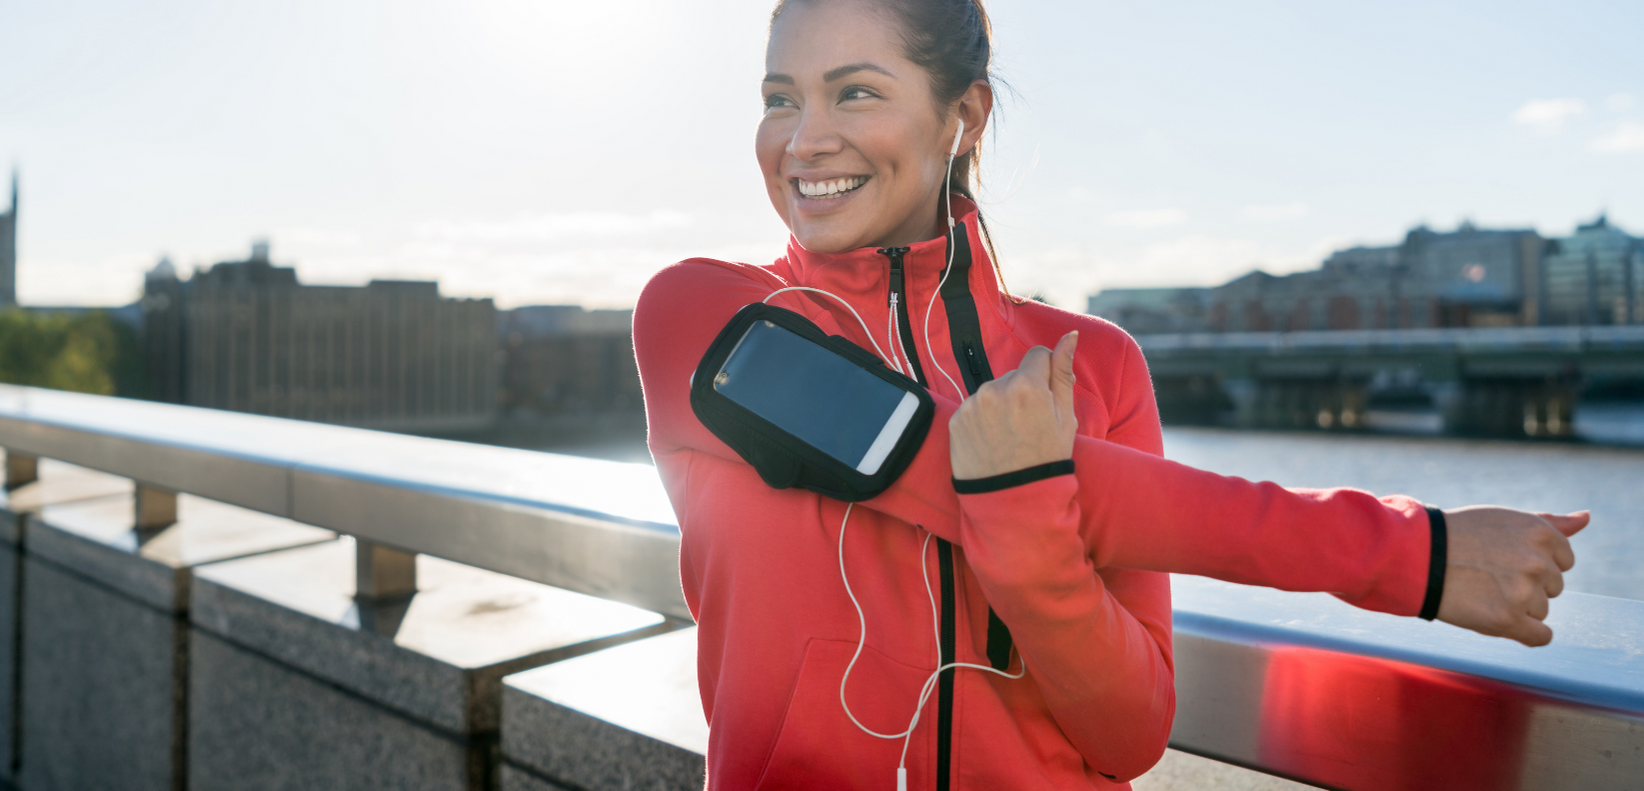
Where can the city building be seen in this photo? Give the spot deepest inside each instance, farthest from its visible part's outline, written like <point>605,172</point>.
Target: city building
<point>393,355</point>
<point>8,249</point>
<point>565,360</point>
<point>1145,311</point>
<point>1469,277</point>
<point>1594,276</point>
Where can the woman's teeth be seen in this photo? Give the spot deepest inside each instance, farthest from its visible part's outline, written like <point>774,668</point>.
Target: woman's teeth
<point>830,189</point>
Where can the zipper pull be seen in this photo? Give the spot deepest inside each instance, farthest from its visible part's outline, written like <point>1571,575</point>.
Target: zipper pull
<point>895,255</point>
<point>971,362</point>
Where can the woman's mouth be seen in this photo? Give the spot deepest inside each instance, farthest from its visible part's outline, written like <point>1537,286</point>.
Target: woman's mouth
<point>832,188</point>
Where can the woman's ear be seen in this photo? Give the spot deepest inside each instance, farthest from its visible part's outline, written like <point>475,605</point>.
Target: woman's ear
<point>975,108</point>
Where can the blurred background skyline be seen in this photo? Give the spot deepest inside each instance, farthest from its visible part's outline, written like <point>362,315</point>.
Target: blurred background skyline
<point>561,153</point>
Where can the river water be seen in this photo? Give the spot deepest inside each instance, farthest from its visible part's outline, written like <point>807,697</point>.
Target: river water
<point>1449,472</point>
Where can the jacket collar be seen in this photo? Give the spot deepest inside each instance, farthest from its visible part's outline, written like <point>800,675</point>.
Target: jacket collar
<point>865,272</point>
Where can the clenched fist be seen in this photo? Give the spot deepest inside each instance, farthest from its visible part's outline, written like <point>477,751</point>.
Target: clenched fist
<point>1020,420</point>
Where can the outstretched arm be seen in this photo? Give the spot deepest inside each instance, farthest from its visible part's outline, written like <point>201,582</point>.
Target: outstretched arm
<point>1501,566</point>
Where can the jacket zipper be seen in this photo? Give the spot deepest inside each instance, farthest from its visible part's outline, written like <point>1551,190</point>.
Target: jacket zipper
<point>947,622</point>
<point>897,299</point>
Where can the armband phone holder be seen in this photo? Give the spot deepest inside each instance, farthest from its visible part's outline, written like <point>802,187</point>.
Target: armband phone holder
<point>807,409</point>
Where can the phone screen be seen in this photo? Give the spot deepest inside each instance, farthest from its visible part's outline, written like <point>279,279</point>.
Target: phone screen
<point>817,395</point>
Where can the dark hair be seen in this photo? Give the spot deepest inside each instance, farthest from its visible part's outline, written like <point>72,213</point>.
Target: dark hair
<point>952,40</point>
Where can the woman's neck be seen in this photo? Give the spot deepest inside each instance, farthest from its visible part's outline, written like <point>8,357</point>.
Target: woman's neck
<point>921,226</point>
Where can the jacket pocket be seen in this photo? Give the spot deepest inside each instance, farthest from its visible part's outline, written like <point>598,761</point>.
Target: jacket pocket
<point>818,745</point>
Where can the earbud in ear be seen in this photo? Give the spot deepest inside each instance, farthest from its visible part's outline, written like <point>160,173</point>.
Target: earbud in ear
<point>957,136</point>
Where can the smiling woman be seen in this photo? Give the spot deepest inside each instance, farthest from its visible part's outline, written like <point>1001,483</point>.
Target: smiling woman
<point>999,617</point>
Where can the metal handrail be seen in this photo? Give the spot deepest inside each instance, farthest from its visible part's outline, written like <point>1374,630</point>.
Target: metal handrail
<point>1572,339</point>
<point>1299,685</point>
<point>597,527</point>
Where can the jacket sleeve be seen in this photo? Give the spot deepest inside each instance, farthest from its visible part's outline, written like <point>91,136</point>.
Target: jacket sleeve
<point>1134,509</point>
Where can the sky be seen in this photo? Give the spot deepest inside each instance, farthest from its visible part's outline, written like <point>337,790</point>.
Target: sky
<point>561,152</point>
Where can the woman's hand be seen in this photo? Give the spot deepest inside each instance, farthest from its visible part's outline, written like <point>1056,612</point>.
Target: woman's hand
<point>1503,567</point>
<point>1020,420</point>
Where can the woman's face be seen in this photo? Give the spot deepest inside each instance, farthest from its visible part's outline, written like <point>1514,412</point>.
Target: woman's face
<point>851,145</point>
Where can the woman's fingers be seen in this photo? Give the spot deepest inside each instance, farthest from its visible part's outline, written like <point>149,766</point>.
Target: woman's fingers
<point>1504,567</point>
<point>1553,581</point>
<point>1035,367</point>
<point>1568,524</point>
<point>1531,632</point>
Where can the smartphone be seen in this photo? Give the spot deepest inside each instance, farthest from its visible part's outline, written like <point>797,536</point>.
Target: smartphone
<point>816,394</point>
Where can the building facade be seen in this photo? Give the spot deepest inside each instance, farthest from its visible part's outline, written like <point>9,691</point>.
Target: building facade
<point>393,355</point>
<point>1469,277</point>
<point>1594,276</point>
<point>564,360</point>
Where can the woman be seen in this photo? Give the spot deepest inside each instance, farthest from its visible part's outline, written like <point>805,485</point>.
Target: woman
<point>1030,538</point>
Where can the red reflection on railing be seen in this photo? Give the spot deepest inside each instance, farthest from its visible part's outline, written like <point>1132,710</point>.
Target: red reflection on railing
<point>1367,723</point>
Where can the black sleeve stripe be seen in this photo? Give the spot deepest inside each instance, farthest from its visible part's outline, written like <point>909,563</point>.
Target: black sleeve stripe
<point>1437,559</point>
<point>994,483</point>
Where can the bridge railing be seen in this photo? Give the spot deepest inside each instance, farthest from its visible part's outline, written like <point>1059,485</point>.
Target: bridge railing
<point>1298,685</point>
<point>591,526</point>
<point>1572,339</point>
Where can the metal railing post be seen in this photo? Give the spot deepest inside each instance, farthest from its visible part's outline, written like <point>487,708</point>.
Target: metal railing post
<point>383,573</point>
<point>21,469</point>
<point>156,508</point>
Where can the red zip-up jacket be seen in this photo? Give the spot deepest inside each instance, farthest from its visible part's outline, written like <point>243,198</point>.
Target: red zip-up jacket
<point>1062,572</point>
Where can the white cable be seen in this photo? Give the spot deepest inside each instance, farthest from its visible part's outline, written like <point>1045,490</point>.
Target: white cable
<point>848,307</point>
<point>948,270</point>
<point>862,638</point>
<point>903,366</point>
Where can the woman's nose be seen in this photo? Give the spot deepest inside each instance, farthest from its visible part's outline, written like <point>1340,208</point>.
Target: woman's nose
<point>815,136</point>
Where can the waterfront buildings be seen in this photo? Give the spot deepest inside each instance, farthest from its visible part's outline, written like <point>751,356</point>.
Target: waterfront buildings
<point>1469,277</point>
<point>564,360</point>
<point>247,336</point>
<point>1595,276</point>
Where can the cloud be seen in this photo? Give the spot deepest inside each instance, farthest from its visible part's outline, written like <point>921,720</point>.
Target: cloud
<point>1619,102</point>
<point>1286,211</point>
<point>1628,136</point>
<point>1145,218</point>
<point>316,237</point>
<point>551,227</point>
<point>1547,116</point>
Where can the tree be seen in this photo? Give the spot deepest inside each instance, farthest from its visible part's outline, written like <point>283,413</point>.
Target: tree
<point>87,352</point>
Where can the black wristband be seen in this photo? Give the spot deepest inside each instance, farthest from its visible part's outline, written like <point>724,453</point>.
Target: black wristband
<point>1437,558</point>
<point>994,483</point>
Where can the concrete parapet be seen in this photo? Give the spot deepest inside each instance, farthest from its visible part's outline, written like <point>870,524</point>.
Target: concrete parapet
<point>297,685</point>
<point>623,718</point>
<point>104,656</point>
<point>54,482</point>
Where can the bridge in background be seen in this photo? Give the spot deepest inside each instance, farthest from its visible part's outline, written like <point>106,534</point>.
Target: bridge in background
<point>1499,381</point>
<point>210,600</point>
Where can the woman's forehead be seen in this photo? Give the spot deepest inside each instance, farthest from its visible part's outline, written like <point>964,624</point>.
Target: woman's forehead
<point>811,39</point>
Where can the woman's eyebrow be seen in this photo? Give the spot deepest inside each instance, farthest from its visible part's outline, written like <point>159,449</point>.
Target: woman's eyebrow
<point>852,69</point>
<point>832,75</point>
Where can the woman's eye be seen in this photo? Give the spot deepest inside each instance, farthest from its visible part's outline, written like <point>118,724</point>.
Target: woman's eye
<point>776,100</point>
<point>855,92</point>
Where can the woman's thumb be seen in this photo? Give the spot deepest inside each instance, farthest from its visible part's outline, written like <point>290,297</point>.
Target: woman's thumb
<point>1061,369</point>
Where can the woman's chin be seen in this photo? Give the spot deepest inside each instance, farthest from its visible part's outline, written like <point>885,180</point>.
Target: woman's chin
<point>830,238</point>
